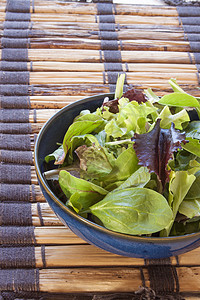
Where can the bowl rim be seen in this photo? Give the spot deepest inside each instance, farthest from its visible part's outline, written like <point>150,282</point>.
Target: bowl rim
<point>73,214</point>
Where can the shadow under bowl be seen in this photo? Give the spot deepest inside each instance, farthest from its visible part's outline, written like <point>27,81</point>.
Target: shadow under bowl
<point>127,245</point>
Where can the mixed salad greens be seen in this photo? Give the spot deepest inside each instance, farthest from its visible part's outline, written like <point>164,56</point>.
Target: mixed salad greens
<point>133,165</point>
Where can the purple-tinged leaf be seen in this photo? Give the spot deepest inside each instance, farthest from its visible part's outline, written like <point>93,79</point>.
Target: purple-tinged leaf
<point>155,148</point>
<point>135,95</point>
<point>132,95</point>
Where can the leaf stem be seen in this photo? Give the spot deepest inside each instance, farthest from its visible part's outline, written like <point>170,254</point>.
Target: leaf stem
<point>159,186</point>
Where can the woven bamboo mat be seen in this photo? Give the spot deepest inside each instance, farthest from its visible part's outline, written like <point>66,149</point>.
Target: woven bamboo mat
<point>52,54</point>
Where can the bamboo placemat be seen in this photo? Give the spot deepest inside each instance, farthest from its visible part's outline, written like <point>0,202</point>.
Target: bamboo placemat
<point>52,54</point>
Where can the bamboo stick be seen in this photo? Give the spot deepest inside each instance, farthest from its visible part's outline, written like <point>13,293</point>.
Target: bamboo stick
<point>80,280</point>
<point>38,66</point>
<point>61,28</point>
<point>52,101</point>
<point>88,255</point>
<point>56,235</point>
<point>90,31</point>
<point>91,44</point>
<point>41,115</point>
<point>172,21</point>
<point>48,216</point>
<point>83,18</point>
<point>95,77</point>
<point>154,34</point>
<point>56,102</point>
<point>66,77</point>
<point>65,55</point>
<point>50,90</point>
<point>69,89</point>
<point>82,8</point>
<point>82,256</point>
<point>124,9</point>
<point>34,179</point>
<point>38,196</point>
<point>157,57</point>
<point>152,45</point>
<point>109,279</point>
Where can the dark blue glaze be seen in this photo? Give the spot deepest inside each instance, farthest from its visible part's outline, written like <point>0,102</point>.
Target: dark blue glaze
<point>140,247</point>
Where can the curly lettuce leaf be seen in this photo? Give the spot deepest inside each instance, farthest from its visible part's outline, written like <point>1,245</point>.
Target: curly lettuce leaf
<point>95,161</point>
<point>87,139</point>
<point>178,119</point>
<point>135,95</point>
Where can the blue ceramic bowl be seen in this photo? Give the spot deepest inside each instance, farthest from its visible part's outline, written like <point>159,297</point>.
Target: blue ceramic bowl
<point>132,246</point>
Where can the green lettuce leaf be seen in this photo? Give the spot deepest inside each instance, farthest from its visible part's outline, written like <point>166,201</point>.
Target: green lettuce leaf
<point>56,155</point>
<point>194,191</point>
<point>185,228</point>
<point>88,192</point>
<point>193,130</point>
<point>78,128</point>
<point>179,185</point>
<point>133,211</point>
<point>119,86</point>
<point>175,86</point>
<point>138,179</point>
<point>78,140</point>
<point>125,165</point>
<point>167,118</point>
<point>190,208</point>
<point>193,146</point>
<point>179,100</point>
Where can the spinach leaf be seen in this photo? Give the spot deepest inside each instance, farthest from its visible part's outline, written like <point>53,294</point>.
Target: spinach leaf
<point>179,99</point>
<point>138,179</point>
<point>88,192</point>
<point>133,211</point>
